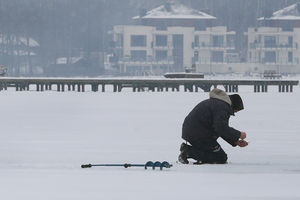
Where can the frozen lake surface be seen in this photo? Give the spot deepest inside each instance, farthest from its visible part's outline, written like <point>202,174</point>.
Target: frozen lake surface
<point>45,137</point>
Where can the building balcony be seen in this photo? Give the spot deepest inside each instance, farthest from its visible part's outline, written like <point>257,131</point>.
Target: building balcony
<point>208,62</point>
<point>273,46</point>
<point>162,47</point>
<point>211,46</point>
<point>148,61</point>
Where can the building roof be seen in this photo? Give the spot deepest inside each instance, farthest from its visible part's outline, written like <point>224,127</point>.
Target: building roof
<point>291,12</point>
<point>173,10</point>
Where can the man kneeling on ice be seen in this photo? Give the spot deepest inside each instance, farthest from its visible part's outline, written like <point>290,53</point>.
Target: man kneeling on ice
<point>206,123</point>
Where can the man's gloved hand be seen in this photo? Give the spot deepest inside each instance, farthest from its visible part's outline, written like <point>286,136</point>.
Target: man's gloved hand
<point>242,143</point>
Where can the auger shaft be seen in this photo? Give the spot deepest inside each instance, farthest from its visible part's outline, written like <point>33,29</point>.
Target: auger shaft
<point>161,165</point>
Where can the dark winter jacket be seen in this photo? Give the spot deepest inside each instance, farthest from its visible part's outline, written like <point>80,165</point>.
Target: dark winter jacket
<point>209,120</point>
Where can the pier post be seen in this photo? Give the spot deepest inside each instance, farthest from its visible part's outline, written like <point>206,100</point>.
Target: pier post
<point>188,87</point>
<point>264,88</point>
<point>119,87</point>
<point>235,88</point>
<point>94,87</point>
<point>37,87</point>
<point>226,88</point>
<point>151,88</point>
<point>283,88</point>
<point>256,88</point>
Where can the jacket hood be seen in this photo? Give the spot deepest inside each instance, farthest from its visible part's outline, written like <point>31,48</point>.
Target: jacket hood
<point>220,94</point>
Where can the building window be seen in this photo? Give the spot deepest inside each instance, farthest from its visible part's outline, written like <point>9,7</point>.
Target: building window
<point>196,41</point>
<point>196,57</point>
<point>270,41</point>
<point>177,53</point>
<point>161,55</point>
<point>230,40</point>
<point>138,40</point>
<point>287,26</point>
<point>270,57</point>
<point>290,57</point>
<point>119,40</point>
<point>218,40</point>
<point>232,57</point>
<point>161,40</point>
<point>178,41</point>
<point>138,55</point>
<point>217,56</point>
<point>290,41</point>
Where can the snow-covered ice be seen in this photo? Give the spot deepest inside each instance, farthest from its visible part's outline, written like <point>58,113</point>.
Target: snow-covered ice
<point>45,137</point>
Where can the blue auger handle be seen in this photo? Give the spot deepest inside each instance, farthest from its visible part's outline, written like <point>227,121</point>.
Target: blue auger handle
<point>158,164</point>
<point>165,164</point>
<point>148,164</point>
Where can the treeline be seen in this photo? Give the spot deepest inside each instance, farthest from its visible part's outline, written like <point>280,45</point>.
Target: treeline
<point>65,28</point>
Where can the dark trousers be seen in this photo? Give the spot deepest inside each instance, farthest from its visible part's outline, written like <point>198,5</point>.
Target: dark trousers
<point>207,151</point>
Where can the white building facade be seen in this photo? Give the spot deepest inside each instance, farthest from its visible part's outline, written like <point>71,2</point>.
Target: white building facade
<point>274,45</point>
<point>271,48</point>
<point>147,49</point>
<point>171,38</point>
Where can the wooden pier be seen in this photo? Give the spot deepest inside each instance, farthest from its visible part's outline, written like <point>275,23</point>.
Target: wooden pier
<point>139,85</point>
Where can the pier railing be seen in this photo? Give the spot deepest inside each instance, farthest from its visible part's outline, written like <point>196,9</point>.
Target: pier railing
<point>139,85</point>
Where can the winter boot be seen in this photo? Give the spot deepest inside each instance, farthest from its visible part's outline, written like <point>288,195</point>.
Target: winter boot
<point>183,156</point>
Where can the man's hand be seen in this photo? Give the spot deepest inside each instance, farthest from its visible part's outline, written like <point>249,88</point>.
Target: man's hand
<point>243,135</point>
<point>242,143</point>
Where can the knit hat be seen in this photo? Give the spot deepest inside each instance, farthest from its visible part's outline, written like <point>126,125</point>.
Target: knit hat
<point>237,102</point>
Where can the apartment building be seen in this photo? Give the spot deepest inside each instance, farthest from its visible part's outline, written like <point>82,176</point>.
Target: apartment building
<point>170,38</point>
<point>274,44</point>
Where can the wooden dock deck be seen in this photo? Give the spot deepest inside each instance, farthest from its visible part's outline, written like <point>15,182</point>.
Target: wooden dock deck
<point>139,85</point>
